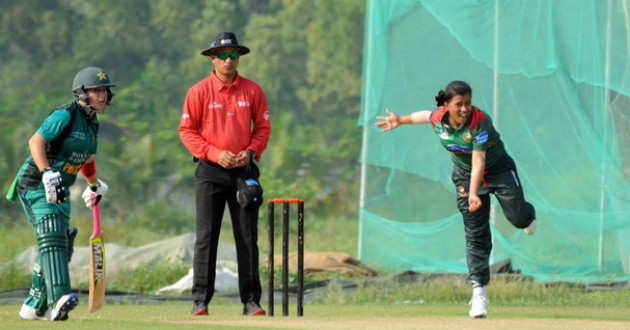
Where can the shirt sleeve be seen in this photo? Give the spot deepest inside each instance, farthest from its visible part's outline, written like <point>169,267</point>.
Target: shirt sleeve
<point>481,140</point>
<point>436,115</point>
<point>189,130</point>
<point>262,124</point>
<point>54,124</point>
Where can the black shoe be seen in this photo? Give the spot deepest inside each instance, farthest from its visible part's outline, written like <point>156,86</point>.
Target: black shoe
<point>252,308</point>
<point>199,308</point>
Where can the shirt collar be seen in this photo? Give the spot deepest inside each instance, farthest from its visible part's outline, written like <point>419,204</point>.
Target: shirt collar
<point>215,79</point>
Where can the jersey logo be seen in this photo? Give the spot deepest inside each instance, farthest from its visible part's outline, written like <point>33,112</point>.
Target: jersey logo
<point>467,137</point>
<point>444,134</point>
<point>243,103</point>
<point>481,137</point>
<point>215,105</point>
<point>78,135</point>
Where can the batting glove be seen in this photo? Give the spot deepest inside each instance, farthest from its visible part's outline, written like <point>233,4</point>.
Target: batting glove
<point>53,185</point>
<point>98,190</point>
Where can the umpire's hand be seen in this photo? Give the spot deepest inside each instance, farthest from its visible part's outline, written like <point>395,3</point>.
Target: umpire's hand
<point>227,159</point>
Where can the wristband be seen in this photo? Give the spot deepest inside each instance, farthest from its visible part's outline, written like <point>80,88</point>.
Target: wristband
<point>88,169</point>
<point>93,184</point>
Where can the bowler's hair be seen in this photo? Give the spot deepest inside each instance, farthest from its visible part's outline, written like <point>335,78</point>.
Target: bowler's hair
<point>454,88</point>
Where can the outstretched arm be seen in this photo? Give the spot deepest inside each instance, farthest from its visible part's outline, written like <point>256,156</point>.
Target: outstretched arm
<point>393,120</point>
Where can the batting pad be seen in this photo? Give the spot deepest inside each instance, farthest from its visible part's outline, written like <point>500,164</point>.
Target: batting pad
<point>53,240</point>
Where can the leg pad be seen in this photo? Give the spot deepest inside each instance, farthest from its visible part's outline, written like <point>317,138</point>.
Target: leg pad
<point>53,248</point>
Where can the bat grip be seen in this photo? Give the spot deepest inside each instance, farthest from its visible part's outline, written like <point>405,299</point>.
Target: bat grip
<point>96,216</point>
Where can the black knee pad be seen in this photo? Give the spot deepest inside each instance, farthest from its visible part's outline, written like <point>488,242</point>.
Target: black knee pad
<point>249,193</point>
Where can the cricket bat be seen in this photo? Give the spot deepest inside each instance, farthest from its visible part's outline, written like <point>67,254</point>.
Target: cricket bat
<point>97,263</point>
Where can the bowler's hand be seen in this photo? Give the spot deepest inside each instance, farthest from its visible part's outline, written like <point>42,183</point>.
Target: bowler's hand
<point>227,159</point>
<point>474,202</point>
<point>388,123</point>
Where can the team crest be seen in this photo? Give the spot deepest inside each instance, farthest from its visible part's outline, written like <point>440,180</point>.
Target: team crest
<point>467,137</point>
<point>461,191</point>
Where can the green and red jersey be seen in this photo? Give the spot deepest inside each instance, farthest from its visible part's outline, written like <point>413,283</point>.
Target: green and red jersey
<point>478,134</point>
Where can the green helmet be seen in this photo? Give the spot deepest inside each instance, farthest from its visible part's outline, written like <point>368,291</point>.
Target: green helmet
<point>90,77</point>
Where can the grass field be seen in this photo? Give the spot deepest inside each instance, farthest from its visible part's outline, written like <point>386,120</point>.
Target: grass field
<point>331,316</point>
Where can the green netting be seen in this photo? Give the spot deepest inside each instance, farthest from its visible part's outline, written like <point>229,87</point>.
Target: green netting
<point>555,77</point>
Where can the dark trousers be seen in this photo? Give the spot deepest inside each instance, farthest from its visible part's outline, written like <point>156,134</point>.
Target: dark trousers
<point>502,181</point>
<point>214,187</point>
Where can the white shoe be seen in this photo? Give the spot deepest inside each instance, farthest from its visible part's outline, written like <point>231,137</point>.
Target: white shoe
<point>531,229</point>
<point>64,305</point>
<point>27,313</point>
<point>478,306</point>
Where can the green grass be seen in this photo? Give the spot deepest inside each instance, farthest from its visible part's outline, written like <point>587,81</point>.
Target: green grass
<point>326,316</point>
<point>453,290</point>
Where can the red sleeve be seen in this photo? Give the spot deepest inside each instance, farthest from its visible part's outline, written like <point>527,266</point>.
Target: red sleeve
<point>190,129</point>
<point>262,124</point>
<point>436,116</point>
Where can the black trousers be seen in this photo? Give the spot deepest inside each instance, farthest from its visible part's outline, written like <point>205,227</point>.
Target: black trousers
<point>502,181</point>
<point>214,187</point>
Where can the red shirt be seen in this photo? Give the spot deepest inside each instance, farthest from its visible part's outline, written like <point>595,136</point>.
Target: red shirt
<point>217,117</point>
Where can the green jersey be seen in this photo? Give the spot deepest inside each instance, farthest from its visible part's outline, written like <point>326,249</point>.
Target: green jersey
<point>478,134</point>
<point>68,158</point>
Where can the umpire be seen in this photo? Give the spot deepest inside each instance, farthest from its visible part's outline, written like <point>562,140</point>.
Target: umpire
<point>225,126</point>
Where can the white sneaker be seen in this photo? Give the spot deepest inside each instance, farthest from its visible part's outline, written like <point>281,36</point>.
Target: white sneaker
<point>27,313</point>
<point>531,229</point>
<point>478,306</point>
<point>64,305</point>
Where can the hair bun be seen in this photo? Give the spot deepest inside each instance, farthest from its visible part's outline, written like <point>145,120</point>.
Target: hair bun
<point>440,98</point>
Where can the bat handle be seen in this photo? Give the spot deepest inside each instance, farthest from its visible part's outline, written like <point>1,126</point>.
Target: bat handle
<point>96,216</point>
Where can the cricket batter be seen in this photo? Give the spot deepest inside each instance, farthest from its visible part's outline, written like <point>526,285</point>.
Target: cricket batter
<point>481,167</point>
<point>61,147</point>
<point>225,126</point>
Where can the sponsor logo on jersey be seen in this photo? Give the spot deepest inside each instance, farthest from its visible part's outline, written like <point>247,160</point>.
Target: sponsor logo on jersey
<point>78,135</point>
<point>71,169</point>
<point>481,137</point>
<point>215,105</point>
<point>266,115</point>
<point>458,149</point>
<point>78,157</point>
<point>243,104</point>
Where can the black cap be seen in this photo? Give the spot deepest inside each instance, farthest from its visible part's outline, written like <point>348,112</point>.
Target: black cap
<point>223,40</point>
